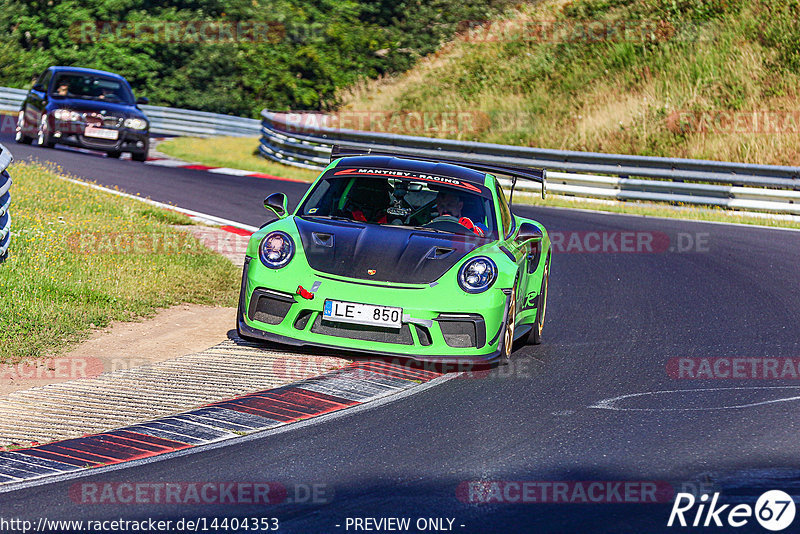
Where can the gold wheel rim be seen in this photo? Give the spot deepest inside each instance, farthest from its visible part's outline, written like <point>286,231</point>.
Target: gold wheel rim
<point>509,336</point>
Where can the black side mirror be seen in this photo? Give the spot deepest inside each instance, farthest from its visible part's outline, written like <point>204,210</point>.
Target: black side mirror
<point>38,87</point>
<point>276,202</point>
<point>529,233</point>
<point>142,100</point>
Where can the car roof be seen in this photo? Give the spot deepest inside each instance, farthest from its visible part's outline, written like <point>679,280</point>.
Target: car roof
<point>81,70</point>
<point>415,165</point>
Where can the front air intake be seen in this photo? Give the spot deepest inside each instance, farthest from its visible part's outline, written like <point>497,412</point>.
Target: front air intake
<point>268,306</point>
<point>463,330</point>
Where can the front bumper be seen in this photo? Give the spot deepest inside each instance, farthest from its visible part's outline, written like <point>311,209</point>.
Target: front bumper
<point>431,320</point>
<point>72,133</point>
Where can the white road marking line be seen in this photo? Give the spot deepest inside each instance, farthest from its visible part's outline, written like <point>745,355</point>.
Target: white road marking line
<point>609,404</point>
<point>167,162</point>
<point>233,172</point>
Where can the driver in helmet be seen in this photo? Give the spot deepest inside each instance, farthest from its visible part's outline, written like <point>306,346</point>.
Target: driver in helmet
<point>450,204</point>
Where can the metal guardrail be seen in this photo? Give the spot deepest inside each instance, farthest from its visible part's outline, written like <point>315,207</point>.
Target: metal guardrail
<point>177,121</point>
<point>164,120</point>
<point>11,99</point>
<point>286,138</point>
<point>5,203</point>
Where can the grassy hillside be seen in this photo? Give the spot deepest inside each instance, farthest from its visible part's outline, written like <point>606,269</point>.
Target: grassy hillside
<point>688,79</point>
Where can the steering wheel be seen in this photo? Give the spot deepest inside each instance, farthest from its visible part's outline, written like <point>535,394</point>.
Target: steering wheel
<point>422,210</point>
<point>448,223</point>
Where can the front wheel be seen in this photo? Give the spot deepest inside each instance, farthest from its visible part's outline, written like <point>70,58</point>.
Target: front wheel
<point>20,137</point>
<point>43,136</point>
<point>508,329</point>
<point>114,155</point>
<point>141,156</point>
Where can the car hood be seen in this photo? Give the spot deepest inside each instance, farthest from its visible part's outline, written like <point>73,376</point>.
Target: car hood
<point>97,106</point>
<point>381,253</point>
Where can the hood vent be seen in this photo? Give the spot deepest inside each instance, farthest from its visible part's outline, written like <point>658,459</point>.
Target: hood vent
<point>439,253</point>
<point>323,240</point>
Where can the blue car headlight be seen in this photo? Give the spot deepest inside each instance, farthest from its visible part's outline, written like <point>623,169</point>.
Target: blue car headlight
<point>135,124</point>
<point>66,115</point>
<point>276,250</point>
<point>477,275</point>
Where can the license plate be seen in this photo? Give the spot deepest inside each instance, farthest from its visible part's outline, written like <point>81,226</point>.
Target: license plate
<point>367,314</point>
<point>101,133</point>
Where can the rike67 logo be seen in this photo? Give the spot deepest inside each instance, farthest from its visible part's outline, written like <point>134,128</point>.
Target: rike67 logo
<point>774,510</point>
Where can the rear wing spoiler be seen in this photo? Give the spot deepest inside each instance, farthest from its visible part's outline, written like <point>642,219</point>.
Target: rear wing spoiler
<point>512,171</point>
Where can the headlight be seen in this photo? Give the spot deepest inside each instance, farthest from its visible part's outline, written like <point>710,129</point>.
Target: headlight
<point>66,115</point>
<point>277,249</point>
<point>136,124</point>
<point>477,275</point>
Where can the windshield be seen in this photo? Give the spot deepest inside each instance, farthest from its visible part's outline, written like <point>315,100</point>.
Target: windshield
<point>424,202</point>
<point>89,87</point>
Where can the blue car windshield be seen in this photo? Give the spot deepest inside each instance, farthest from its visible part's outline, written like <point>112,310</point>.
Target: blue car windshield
<point>91,87</point>
<point>462,208</point>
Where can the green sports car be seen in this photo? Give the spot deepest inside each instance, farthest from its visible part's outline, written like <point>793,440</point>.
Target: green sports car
<point>399,255</point>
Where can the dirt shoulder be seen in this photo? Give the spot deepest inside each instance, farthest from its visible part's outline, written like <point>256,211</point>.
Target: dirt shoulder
<point>172,332</point>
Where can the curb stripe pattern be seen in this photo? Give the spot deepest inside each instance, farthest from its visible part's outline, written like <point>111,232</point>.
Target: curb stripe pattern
<point>355,384</point>
<point>216,170</point>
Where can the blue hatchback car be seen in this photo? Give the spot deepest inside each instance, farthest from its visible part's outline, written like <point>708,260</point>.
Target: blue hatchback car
<point>86,108</point>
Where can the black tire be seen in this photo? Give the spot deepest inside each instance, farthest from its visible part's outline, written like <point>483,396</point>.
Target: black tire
<point>508,329</point>
<point>141,156</point>
<point>535,335</point>
<point>114,155</point>
<point>20,137</point>
<point>43,136</point>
